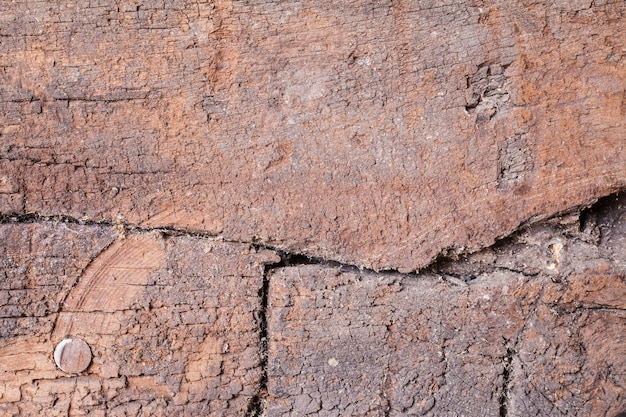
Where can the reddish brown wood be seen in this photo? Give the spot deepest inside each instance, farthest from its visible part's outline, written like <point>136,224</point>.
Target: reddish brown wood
<point>380,134</point>
<point>172,323</point>
<point>155,156</point>
<point>531,327</point>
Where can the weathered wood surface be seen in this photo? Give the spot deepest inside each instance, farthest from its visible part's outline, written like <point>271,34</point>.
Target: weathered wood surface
<point>352,344</point>
<point>156,157</point>
<point>184,325</point>
<point>374,133</point>
<point>172,322</point>
<point>532,327</point>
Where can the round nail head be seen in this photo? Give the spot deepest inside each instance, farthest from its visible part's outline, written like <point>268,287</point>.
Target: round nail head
<point>72,355</point>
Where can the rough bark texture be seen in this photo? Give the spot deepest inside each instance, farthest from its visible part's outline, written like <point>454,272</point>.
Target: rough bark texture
<point>195,189</point>
<point>375,133</point>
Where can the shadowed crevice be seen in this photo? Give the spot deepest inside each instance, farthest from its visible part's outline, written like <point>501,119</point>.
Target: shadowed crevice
<point>599,210</point>
<point>507,361</point>
<point>257,405</point>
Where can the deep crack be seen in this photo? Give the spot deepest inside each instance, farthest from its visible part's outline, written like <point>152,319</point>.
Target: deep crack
<point>446,255</point>
<point>506,381</point>
<point>256,407</point>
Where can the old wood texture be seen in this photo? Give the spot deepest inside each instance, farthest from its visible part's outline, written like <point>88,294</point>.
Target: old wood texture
<point>171,322</point>
<point>193,326</point>
<point>508,345</point>
<point>376,133</point>
<point>534,326</point>
<point>313,208</point>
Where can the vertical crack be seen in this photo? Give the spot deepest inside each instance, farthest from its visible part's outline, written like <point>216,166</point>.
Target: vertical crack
<point>506,382</point>
<point>258,403</point>
<point>256,407</point>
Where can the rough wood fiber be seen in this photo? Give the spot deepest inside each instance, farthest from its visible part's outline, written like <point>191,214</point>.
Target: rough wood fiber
<point>172,322</point>
<point>374,133</point>
<point>534,326</point>
<point>348,344</point>
<point>531,326</point>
